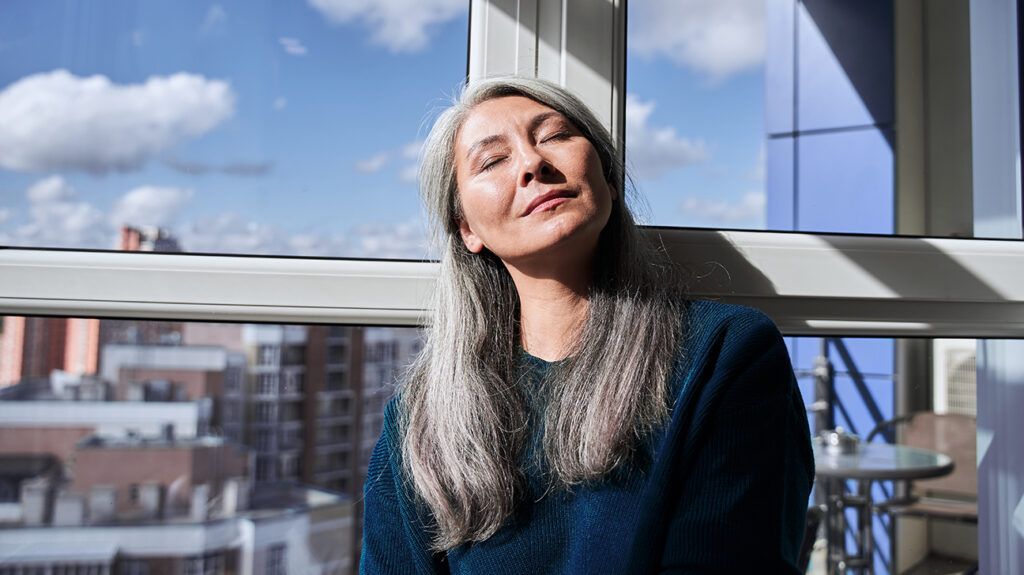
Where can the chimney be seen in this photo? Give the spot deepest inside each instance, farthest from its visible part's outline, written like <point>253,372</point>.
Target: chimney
<point>131,239</point>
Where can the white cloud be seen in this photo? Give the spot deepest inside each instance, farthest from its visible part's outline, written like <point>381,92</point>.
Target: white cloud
<point>194,168</point>
<point>652,150</point>
<point>280,103</point>
<point>411,152</point>
<point>373,164</point>
<point>409,155</point>
<point>59,121</point>
<point>749,211</point>
<point>58,219</point>
<point>231,233</point>
<point>215,20</point>
<point>398,25</point>
<point>149,205</point>
<point>716,38</point>
<point>49,190</point>
<point>293,46</point>
<point>409,174</point>
<point>390,240</point>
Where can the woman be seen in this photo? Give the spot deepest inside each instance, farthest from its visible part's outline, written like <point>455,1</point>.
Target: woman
<point>571,412</point>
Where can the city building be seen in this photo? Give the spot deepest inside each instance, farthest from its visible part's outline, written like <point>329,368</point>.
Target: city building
<point>276,379</point>
<point>34,346</point>
<point>181,373</point>
<point>164,504</point>
<point>147,239</point>
<point>30,347</point>
<point>49,427</point>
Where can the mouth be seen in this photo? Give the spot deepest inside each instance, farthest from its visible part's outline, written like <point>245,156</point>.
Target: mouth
<point>548,201</point>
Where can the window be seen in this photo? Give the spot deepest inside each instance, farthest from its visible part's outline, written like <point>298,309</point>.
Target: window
<point>289,467</point>
<point>233,380</point>
<point>266,383</point>
<point>135,567</point>
<point>337,354</point>
<point>337,380</point>
<point>264,468</point>
<point>268,355</point>
<point>277,559</point>
<point>292,382</point>
<point>811,284</point>
<point>791,125</point>
<point>265,413</point>
<point>212,173</point>
<point>264,440</point>
<point>294,355</point>
<point>208,564</point>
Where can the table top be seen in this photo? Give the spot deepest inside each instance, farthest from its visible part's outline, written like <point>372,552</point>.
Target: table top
<point>882,461</point>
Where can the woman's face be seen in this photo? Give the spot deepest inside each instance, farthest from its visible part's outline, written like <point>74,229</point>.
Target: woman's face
<point>530,184</point>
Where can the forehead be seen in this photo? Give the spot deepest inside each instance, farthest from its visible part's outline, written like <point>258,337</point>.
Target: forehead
<point>496,115</point>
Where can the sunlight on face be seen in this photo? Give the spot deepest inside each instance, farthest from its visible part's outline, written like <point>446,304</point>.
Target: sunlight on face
<point>531,185</point>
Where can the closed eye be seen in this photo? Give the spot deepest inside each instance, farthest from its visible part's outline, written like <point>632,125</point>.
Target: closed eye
<point>491,162</point>
<point>558,136</point>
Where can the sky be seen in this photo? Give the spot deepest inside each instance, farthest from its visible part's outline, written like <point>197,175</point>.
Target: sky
<point>293,128</point>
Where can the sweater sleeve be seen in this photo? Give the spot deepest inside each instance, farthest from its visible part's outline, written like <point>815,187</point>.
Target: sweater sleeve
<point>394,539</point>
<point>742,501</point>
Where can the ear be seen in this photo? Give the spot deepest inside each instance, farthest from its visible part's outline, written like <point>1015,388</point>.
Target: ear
<point>471,240</point>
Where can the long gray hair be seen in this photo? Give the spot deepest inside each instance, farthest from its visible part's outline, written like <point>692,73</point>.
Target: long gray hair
<point>465,418</point>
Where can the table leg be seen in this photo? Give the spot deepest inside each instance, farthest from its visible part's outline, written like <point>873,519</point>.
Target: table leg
<point>835,527</point>
<point>839,562</point>
<point>866,540</point>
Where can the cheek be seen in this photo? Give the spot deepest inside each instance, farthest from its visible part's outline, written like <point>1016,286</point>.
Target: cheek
<point>479,207</point>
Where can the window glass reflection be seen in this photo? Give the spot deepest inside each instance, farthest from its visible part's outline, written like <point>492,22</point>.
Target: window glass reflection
<point>227,126</point>
<point>782,115</point>
<point>117,434</point>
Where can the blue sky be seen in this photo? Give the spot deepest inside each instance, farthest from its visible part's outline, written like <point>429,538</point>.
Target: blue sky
<point>292,127</point>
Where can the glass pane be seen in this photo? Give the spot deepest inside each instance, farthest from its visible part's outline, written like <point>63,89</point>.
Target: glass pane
<point>176,432</point>
<point>288,128</point>
<point>788,115</point>
<point>855,384</point>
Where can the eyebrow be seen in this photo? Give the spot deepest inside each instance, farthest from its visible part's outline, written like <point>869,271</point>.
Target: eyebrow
<point>534,123</point>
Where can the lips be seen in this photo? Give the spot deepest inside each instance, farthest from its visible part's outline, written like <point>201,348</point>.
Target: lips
<point>547,201</point>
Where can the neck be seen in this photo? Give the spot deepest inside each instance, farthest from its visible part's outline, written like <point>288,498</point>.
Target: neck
<point>553,308</point>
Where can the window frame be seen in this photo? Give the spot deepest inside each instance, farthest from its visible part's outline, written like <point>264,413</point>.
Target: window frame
<point>810,284</point>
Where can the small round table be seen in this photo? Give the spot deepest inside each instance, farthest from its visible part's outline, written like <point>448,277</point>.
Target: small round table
<point>870,462</point>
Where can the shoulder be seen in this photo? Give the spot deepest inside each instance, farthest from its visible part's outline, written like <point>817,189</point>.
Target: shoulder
<point>731,350</point>
<point>736,329</point>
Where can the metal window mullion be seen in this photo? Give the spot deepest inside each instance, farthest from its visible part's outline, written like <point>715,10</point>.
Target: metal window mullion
<point>579,44</point>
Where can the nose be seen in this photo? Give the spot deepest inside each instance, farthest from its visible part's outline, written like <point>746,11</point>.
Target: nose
<point>532,166</point>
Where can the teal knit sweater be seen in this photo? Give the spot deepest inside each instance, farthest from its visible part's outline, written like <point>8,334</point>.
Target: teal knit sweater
<point>725,490</point>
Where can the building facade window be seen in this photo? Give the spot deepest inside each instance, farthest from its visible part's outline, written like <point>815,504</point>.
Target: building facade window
<point>268,355</point>
<point>277,559</point>
<point>266,383</point>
